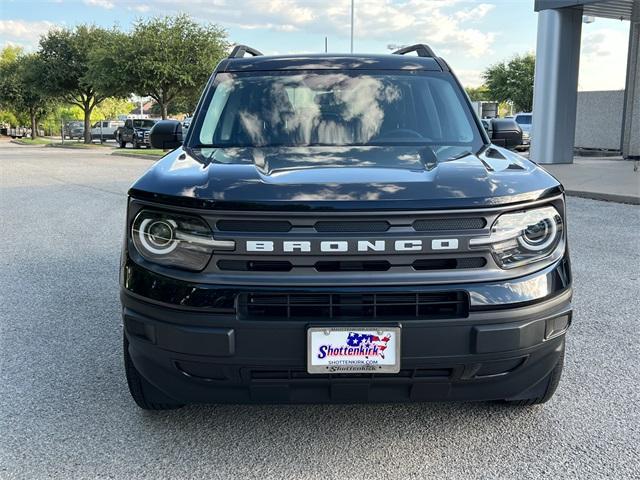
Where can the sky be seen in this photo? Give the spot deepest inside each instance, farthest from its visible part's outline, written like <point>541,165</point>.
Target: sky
<point>470,35</point>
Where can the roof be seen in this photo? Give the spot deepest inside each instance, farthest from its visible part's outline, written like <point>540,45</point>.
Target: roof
<point>332,62</point>
<point>617,9</point>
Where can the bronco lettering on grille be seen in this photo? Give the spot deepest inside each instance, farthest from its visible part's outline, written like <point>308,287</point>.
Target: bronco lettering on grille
<point>343,246</point>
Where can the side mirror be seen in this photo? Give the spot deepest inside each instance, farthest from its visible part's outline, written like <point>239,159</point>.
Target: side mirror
<point>166,134</point>
<point>506,132</point>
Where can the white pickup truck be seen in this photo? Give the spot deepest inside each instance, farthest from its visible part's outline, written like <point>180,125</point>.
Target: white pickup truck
<point>105,129</point>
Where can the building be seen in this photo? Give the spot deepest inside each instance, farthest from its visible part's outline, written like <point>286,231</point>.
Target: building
<point>556,78</point>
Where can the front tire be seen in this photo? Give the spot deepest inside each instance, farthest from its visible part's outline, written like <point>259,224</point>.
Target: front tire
<point>144,394</point>
<point>552,381</point>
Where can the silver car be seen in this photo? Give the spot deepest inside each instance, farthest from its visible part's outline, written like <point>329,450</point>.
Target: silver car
<point>524,119</point>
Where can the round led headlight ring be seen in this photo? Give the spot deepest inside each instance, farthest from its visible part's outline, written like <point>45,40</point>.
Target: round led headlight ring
<point>539,236</point>
<point>158,236</point>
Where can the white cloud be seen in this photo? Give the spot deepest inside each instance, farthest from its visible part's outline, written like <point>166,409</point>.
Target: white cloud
<point>443,23</point>
<point>603,60</point>
<point>100,3</point>
<point>469,78</point>
<point>142,8</point>
<point>23,33</point>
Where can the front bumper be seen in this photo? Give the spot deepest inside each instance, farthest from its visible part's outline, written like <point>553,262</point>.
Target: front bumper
<point>199,355</point>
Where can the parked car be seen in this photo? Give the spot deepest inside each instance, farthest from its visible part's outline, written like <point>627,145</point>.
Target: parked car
<point>74,129</point>
<point>136,132</point>
<point>342,229</point>
<point>105,129</point>
<point>186,123</point>
<point>525,119</point>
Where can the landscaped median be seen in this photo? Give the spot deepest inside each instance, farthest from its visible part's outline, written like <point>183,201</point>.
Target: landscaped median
<point>54,142</point>
<point>32,141</point>
<point>147,153</point>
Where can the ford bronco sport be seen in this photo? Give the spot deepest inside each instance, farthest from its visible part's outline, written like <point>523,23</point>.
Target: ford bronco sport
<point>340,228</point>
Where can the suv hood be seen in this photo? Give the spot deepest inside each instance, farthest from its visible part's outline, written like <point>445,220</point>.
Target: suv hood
<point>342,178</point>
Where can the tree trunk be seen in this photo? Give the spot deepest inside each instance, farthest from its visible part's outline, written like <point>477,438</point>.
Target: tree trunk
<point>87,124</point>
<point>34,125</point>
<point>164,108</point>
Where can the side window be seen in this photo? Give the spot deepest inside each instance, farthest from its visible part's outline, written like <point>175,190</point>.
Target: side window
<point>96,125</point>
<point>105,124</point>
<point>127,124</point>
<point>454,122</point>
<point>211,119</point>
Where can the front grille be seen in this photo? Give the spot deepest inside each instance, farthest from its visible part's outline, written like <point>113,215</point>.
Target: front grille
<point>325,306</point>
<point>346,227</point>
<point>437,224</point>
<point>331,248</point>
<point>424,264</point>
<point>353,266</point>
<point>449,263</point>
<point>254,265</point>
<point>257,226</point>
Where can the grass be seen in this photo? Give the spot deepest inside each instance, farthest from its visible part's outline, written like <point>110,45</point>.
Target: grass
<point>32,141</point>
<point>74,144</point>
<point>152,152</point>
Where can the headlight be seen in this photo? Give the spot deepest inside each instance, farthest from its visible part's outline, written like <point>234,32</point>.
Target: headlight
<point>179,241</point>
<point>524,237</point>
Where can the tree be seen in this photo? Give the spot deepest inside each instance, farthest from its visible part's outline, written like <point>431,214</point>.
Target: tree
<point>512,81</point>
<point>478,94</point>
<point>20,87</point>
<point>111,108</point>
<point>68,73</point>
<point>168,59</point>
<point>10,54</point>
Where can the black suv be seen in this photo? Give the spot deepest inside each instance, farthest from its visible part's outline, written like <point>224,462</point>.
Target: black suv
<point>136,132</point>
<point>340,228</point>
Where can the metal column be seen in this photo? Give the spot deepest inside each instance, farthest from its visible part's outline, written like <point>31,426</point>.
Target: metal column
<point>556,85</point>
<point>631,117</point>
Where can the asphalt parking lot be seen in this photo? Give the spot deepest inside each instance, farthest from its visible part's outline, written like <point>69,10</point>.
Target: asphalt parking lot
<point>65,411</point>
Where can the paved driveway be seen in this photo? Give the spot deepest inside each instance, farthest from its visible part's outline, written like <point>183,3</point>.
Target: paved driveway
<point>65,411</point>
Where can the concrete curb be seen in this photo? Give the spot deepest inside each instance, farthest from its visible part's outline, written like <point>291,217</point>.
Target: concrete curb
<point>136,155</point>
<point>79,147</point>
<point>38,145</point>
<point>606,197</point>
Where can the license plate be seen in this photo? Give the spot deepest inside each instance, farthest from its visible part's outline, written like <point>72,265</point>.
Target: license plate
<point>353,350</point>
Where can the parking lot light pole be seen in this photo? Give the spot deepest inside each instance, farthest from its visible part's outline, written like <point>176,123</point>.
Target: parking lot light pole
<point>352,9</point>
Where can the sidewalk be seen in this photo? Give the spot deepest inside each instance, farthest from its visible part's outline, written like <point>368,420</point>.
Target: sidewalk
<point>600,178</point>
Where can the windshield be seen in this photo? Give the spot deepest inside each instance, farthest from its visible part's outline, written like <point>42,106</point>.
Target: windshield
<point>144,123</point>
<point>329,108</point>
<point>524,119</point>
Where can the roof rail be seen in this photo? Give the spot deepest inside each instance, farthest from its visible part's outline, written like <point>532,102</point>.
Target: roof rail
<point>420,48</point>
<point>239,51</point>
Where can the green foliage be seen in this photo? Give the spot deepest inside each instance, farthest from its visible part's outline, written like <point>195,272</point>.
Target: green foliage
<point>20,78</point>
<point>478,94</point>
<point>85,72</point>
<point>111,108</point>
<point>512,81</point>
<point>10,54</point>
<point>8,117</point>
<point>69,74</point>
<point>168,59</point>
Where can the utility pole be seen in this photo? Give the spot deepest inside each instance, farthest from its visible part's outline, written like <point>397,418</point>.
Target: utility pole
<point>352,1</point>
<point>325,44</point>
